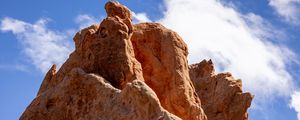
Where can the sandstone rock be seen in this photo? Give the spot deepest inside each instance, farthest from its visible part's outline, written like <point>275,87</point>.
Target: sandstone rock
<point>121,71</point>
<point>83,96</point>
<point>47,80</point>
<point>116,9</point>
<point>221,95</point>
<point>102,49</point>
<point>101,80</point>
<point>163,56</point>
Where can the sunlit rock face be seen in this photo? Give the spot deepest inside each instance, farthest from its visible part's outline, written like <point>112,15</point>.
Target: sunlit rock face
<point>221,95</point>
<point>119,70</point>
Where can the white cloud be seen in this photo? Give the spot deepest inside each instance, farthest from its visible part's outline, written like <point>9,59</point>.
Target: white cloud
<point>85,20</point>
<point>263,29</point>
<point>288,9</point>
<point>140,17</point>
<point>295,102</point>
<point>42,46</point>
<point>235,42</point>
<point>13,25</point>
<point>18,67</point>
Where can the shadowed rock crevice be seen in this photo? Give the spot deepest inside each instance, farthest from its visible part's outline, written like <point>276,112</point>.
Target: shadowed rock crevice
<point>135,72</point>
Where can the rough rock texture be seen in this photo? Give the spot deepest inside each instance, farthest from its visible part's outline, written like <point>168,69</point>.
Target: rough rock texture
<point>105,50</point>
<point>101,79</point>
<point>135,72</point>
<point>83,96</point>
<point>163,56</point>
<point>221,95</point>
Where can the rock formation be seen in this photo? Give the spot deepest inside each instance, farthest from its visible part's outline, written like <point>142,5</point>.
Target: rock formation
<point>163,56</point>
<point>221,95</point>
<point>135,72</point>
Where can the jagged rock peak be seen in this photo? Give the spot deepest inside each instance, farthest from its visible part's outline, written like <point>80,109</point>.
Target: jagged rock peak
<point>116,9</point>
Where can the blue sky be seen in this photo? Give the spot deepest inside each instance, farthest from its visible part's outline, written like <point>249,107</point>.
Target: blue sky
<point>256,40</point>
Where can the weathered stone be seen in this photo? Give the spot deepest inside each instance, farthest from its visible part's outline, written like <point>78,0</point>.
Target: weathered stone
<point>48,79</point>
<point>116,9</point>
<point>163,56</point>
<point>100,80</point>
<point>221,95</point>
<point>121,71</point>
<point>83,96</point>
<point>102,49</point>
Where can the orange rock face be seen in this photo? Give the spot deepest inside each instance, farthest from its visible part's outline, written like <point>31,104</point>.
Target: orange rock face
<point>163,55</point>
<point>87,96</point>
<point>135,72</point>
<point>221,95</point>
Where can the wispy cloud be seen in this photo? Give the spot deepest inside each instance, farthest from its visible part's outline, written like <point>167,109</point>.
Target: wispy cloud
<point>295,102</point>
<point>140,17</point>
<point>288,9</point>
<point>14,67</point>
<point>84,20</point>
<point>238,43</point>
<point>262,28</point>
<point>42,45</point>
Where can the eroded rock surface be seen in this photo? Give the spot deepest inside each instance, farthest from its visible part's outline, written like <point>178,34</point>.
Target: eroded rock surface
<point>83,96</point>
<point>106,50</point>
<point>221,95</point>
<point>121,71</point>
<point>163,56</point>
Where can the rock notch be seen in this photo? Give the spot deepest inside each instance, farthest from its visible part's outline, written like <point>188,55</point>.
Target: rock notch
<point>135,72</point>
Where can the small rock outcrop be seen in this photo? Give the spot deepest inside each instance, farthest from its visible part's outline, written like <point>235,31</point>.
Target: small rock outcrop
<point>121,71</point>
<point>221,95</point>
